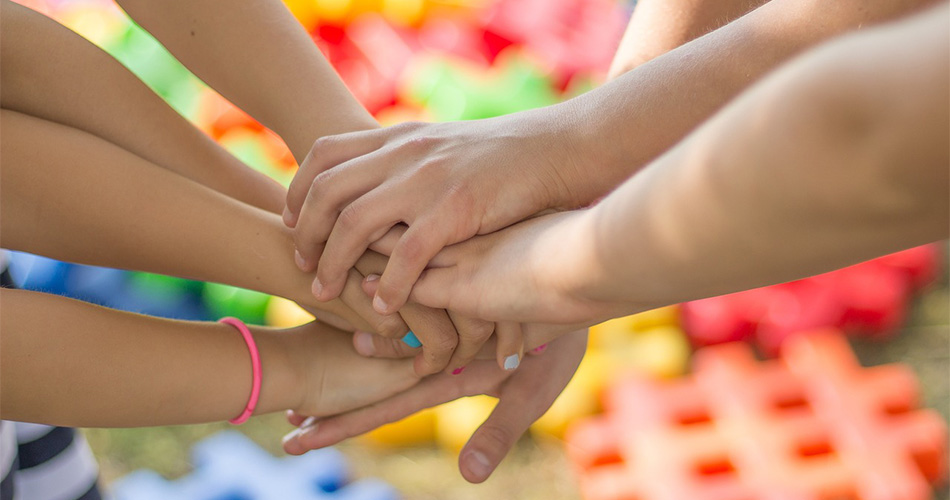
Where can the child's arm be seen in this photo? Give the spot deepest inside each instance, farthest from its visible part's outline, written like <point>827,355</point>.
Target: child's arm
<point>72,196</point>
<point>442,179</point>
<point>52,73</point>
<point>659,26</point>
<point>65,362</point>
<point>256,54</point>
<point>839,157</point>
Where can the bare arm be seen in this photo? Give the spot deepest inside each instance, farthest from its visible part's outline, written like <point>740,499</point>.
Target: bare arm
<point>256,54</point>
<point>52,73</point>
<point>839,157</point>
<point>65,362</point>
<point>659,26</point>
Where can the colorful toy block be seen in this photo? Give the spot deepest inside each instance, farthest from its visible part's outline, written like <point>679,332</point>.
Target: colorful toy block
<point>232,467</point>
<point>813,425</point>
<point>869,299</point>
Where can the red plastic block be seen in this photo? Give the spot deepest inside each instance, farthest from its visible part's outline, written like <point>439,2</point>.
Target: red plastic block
<point>869,299</point>
<point>813,425</point>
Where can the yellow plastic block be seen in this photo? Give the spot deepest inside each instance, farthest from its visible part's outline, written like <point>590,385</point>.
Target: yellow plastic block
<point>616,332</point>
<point>456,421</point>
<point>305,11</point>
<point>414,430</point>
<point>283,313</point>
<point>658,352</point>
<point>581,396</point>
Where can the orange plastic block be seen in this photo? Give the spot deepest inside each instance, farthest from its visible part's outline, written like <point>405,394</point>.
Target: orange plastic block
<point>813,425</point>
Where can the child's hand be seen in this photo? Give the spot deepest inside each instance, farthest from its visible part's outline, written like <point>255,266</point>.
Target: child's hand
<point>446,181</point>
<point>334,377</point>
<point>523,396</point>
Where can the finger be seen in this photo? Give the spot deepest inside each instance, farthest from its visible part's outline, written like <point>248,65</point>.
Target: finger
<point>432,391</point>
<point>295,419</point>
<point>473,333</point>
<point>437,334</point>
<point>361,222</point>
<point>331,193</point>
<point>387,243</point>
<point>433,327</point>
<point>326,153</point>
<point>510,347</point>
<point>377,346</point>
<point>493,440</point>
<point>420,243</point>
<point>391,326</point>
<point>435,288</point>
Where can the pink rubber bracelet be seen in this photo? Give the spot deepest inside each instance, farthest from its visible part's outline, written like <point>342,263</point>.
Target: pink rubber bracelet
<point>255,369</point>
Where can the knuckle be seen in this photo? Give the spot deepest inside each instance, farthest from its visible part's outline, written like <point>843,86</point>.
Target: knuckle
<point>350,217</point>
<point>498,438</point>
<point>390,327</point>
<point>445,343</point>
<point>477,332</point>
<point>322,144</point>
<point>414,248</point>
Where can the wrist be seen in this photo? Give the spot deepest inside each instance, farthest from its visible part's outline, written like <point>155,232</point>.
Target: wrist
<point>282,379</point>
<point>586,154</point>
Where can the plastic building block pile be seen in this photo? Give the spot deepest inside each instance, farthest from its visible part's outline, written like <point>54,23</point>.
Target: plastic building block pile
<point>813,425</point>
<point>229,466</point>
<point>869,299</point>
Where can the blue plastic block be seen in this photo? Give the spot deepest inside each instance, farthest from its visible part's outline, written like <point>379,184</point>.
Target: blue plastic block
<point>32,272</point>
<point>229,466</point>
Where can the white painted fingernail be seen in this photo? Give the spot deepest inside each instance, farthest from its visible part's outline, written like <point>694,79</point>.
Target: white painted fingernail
<point>512,362</point>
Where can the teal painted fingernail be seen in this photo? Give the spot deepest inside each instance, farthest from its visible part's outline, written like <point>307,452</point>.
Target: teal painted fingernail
<point>411,340</point>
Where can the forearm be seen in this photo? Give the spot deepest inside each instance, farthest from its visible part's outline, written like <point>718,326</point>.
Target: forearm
<point>623,125</point>
<point>65,362</point>
<point>659,26</point>
<point>258,56</point>
<point>52,73</point>
<point>837,158</point>
<point>71,196</point>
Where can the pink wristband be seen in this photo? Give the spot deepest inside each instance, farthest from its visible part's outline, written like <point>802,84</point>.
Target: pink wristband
<point>255,369</point>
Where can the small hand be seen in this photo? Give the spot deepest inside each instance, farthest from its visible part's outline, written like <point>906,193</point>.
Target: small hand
<point>523,396</point>
<point>335,378</point>
<point>447,182</point>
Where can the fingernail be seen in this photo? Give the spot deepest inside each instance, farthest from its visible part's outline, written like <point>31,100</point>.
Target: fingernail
<point>478,464</point>
<point>364,343</point>
<point>317,287</point>
<point>540,349</point>
<point>411,340</point>
<point>372,277</point>
<point>458,370</point>
<point>380,305</point>
<point>289,219</point>
<point>512,362</point>
<point>307,426</point>
<point>291,435</point>
<point>301,264</point>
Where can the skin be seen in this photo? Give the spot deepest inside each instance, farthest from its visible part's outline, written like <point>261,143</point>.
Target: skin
<point>78,85</point>
<point>152,371</point>
<point>524,394</point>
<point>843,152</point>
<point>441,179</point>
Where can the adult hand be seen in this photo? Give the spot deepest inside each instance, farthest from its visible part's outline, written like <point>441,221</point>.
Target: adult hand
<point>523,396</point>
<point>446,181</point>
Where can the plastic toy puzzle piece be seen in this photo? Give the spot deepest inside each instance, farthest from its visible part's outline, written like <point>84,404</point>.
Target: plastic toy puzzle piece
<point>229,466</point>
<point>814,425</point>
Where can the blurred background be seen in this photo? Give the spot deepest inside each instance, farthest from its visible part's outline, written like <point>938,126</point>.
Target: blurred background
<point>440,60</point>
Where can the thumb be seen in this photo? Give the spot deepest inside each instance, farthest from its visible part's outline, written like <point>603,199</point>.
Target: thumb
<point>497,435</point>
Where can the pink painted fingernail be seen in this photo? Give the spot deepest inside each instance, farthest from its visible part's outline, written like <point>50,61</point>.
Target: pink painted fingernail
<point>540,349</point>
<point>458,370</point>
